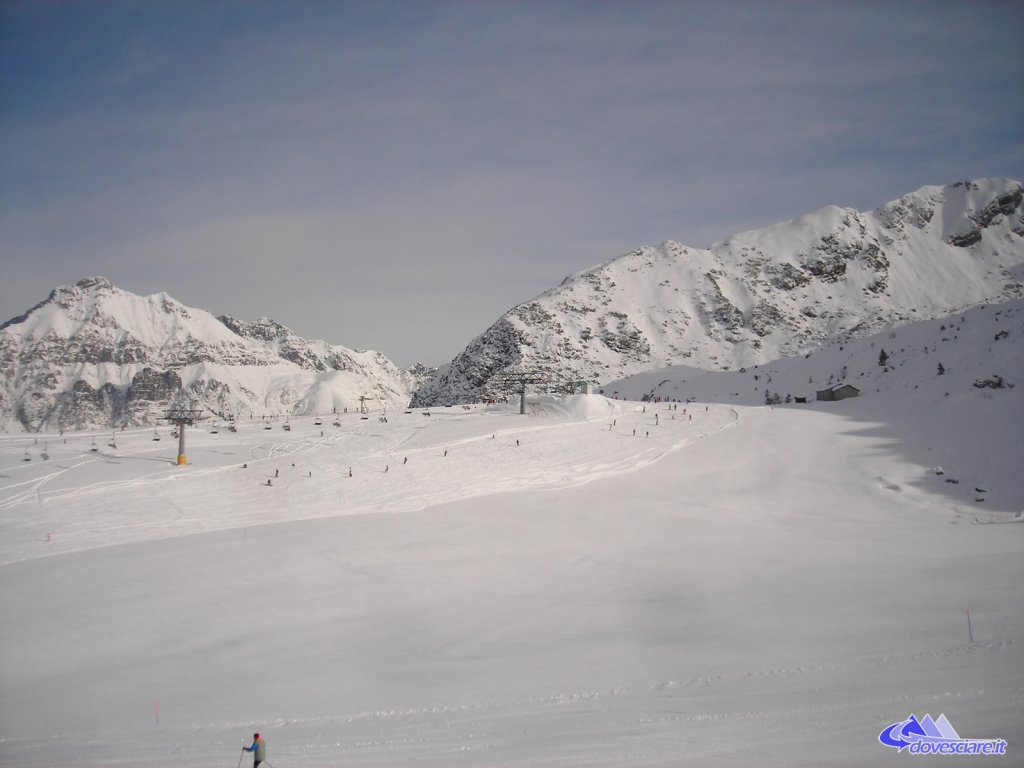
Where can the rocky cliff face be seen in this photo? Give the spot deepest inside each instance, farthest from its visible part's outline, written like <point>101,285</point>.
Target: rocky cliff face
<point>783,290</point>
<point>92,355</point>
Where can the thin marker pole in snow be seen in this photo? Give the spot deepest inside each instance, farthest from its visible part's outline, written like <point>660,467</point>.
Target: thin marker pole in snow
<point>970,633</point>
<point>156,711</point>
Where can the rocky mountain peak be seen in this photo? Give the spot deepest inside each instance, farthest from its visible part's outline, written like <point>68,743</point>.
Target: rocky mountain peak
<point>781,290</point>
<point>92,355</point>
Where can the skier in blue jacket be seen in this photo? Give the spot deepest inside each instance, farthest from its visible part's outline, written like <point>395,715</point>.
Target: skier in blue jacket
<point>259,748</point>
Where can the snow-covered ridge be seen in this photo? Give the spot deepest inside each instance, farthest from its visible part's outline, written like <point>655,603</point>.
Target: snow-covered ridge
<point>94,355</point>
<point>832,274</point>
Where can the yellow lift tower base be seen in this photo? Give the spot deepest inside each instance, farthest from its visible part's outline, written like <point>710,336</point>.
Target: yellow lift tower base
<point>182,417</point>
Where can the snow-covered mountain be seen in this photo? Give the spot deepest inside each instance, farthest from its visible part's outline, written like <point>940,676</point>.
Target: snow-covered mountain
<point>833,274</point>
<point>978,352</point>
<point>93,355</point>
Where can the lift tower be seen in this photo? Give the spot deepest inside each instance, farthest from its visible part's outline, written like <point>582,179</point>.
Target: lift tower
<point>518,380</point>
<point>181,417</point>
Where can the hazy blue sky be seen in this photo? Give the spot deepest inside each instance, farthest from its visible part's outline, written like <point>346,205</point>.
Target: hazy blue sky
<point>396,175</point>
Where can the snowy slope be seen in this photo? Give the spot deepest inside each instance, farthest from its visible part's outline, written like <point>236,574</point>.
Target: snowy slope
<point>832,274</point>
<point>962,375</point>
<point>599,582</point>
<point>95,355</point>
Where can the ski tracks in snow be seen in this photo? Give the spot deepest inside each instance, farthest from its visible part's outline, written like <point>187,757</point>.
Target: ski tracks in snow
<point>407,464</point>
<point>678,722</point>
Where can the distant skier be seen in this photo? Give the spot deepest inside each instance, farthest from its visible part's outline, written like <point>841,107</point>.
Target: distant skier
<point>350,471</point>
<point>405,460</point>
<point>259,750</point>
<point>269,484</point>
<point>386,468</point>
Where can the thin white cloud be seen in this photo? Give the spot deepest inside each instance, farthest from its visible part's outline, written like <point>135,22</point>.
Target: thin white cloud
<point>351,169</point>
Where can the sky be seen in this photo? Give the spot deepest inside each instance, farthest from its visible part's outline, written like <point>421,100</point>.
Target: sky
<point>397,175</point>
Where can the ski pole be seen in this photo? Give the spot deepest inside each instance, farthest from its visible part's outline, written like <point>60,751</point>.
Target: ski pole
<point>240,757</point>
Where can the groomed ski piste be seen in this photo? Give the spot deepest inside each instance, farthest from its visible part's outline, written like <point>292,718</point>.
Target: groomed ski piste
<point>597,582</point>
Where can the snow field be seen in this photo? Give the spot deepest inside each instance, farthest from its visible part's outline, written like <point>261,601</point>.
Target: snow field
<point>448,458</point>
<point>755,587</point>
